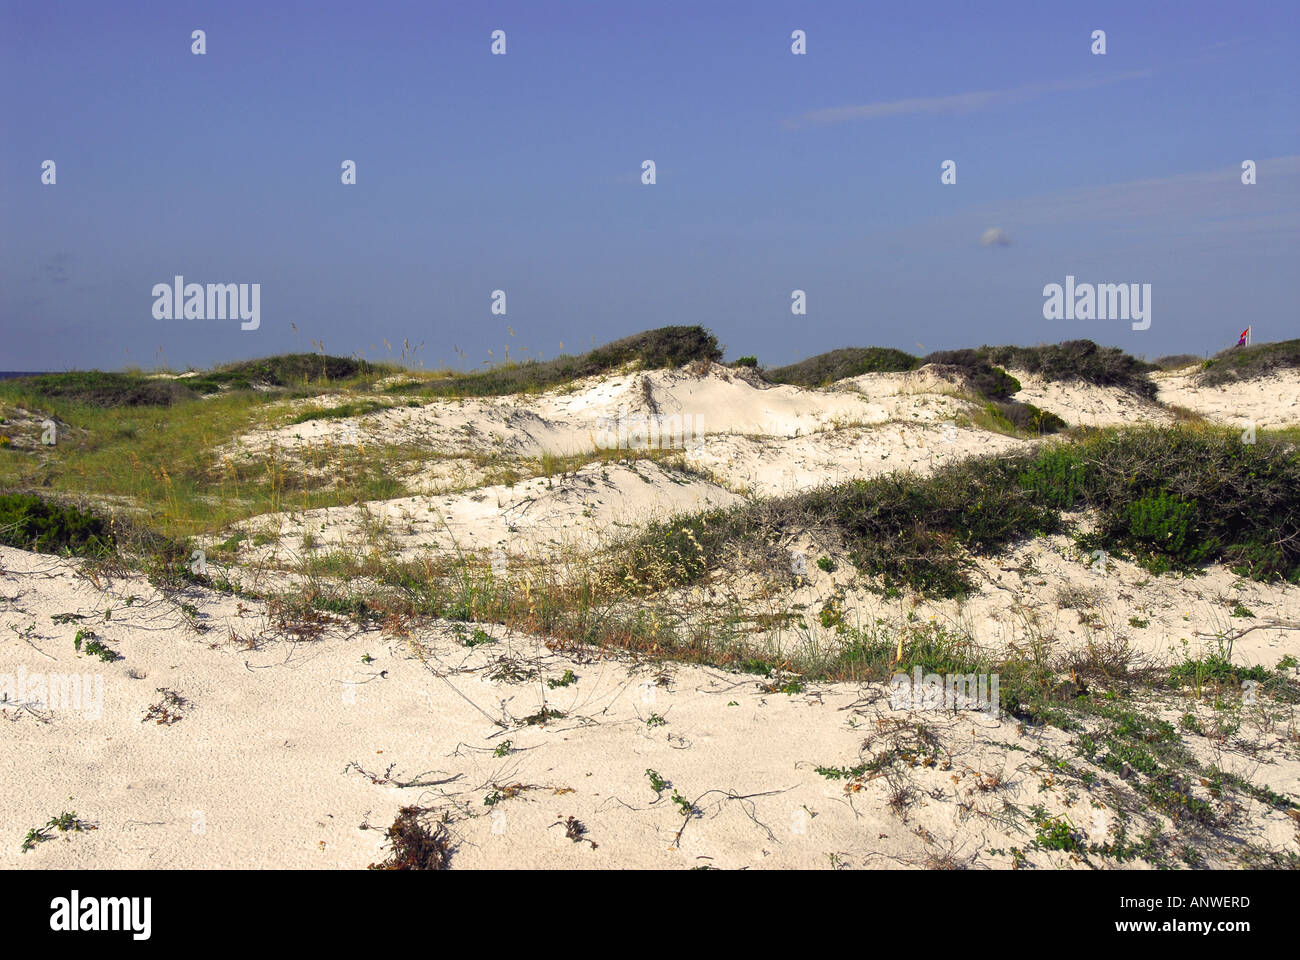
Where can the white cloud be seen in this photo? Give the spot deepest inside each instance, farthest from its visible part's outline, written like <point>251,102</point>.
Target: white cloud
<point>960,102</point>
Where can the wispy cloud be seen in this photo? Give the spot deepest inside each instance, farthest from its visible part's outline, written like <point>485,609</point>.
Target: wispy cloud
<point>961,102</point>
<point>1215,198</point>
<point>1209,209</point>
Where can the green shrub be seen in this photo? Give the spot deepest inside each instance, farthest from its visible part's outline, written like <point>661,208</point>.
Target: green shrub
<point>353,408</point>
<point>827,368</point>
<point>653,349</point>
<point>1164,528</point>
<point>1191,496</point>
<point>290,369</point>
<point>990,382</point>
<point>1012,416</point>
<point>1055,477</point>
<point>30,523</point>
<point>918,531</point>
<point>1077,360</point>
<point>747,361</point>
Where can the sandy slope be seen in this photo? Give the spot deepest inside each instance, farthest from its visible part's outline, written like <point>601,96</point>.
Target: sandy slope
<point>536,517</point>
<point>1047,588</point>
<point>1269,401</point>
<point>292,754</point>
<point>1082,404</point>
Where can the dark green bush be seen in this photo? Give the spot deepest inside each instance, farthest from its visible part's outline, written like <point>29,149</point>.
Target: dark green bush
<point>1162,527</point>
<point>1026,418</point>
<point>827,368</point>
<point>990,382</point>
<point>1209,497</point>
<point>290,369</point>
<point>1077,360</point>
<point>30,523</point>
<point>1055,477</point>
<point>653,349</point>
<point>917,531</point>
<point>353,408</point>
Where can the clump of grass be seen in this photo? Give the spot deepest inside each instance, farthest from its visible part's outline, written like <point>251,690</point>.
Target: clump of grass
<point>475,639</point>
<point>353,408</point>
<point>541,717</point>
<point>167,710</point>
<point>1057,833</point>
<point>826,368</point>
<point>1246,363</point>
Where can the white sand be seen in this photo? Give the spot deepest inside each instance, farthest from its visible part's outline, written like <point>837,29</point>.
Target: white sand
<point>1082,404</point>
<point>272,761</point>
<point>1269,402</point>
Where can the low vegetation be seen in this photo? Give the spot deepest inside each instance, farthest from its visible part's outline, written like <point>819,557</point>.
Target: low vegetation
<point>94,388</point>
<point>1177,361</point>
<point>826,368</point>
<point>653,349</point>
<point>1174,498</point>
<point>1246,363</point>
<point>1077,360</point>
<point>30,523</point>
<point>416,841</point>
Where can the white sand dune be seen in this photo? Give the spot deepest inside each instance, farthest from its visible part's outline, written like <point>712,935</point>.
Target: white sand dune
<point>296,744</point>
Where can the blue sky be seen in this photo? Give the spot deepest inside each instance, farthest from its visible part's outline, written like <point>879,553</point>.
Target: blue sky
<point>521,172</point>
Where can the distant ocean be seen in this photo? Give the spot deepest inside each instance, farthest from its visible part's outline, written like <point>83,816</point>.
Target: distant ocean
<point>10,374</point>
